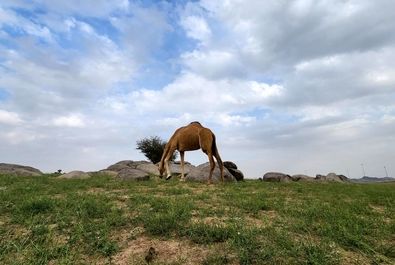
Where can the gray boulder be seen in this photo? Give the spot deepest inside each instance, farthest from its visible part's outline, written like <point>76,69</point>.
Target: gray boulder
<point>201,173</point>
<point>301,177</point>
<point>108,172</point>
<point>175,167</point>
<point>331,177</point>
<point>18,170</point>
<point>232,167</point>
<point>230,164</point>
<point>149,168</point>
<point>117,167</point>
<point>132,174</point>
<point>75,175</point>
<point>276,177</point>
<point>144,166</point>
<point>239,176</point>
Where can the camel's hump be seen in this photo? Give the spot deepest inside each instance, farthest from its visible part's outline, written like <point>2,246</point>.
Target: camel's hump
<point>196,122</point>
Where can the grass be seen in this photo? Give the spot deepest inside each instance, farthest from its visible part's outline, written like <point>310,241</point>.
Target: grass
<point>45,220</point>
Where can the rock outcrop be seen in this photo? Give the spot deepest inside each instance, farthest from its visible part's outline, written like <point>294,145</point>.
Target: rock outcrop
<point>301,177</point>
<point>175,167</point>
<point>331,177</point>
<point>133,174</point>
<point>75,175</point>
<point>19,170</point>
<point>276,177</point>
<point>132,170</point>
<point>201,173</point>
<point>232,168</point>
<point>230,164</point>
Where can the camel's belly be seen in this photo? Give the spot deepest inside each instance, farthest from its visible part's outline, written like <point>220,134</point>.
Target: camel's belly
<point>189,143</point>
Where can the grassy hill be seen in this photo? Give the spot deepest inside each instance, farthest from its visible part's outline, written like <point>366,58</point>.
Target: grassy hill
<point>44,220</point>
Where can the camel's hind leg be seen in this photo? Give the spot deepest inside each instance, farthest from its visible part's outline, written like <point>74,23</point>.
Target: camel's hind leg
<point>206,139</point>
<point>219,161</point>
<point>212,166</point>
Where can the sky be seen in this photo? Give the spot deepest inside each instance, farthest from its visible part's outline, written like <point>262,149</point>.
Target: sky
<point>299,87</point>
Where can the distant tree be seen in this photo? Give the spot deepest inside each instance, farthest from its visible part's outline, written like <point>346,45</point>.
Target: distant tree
<point>153,147</point>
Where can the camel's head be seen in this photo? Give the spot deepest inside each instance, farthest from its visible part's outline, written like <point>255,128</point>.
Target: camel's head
<point>161,169</point>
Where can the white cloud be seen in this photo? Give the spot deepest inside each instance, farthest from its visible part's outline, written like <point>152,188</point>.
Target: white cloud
<point>10,118</point>
<point>72,120</point>
<point>196,28</point>
<point>214,64</point>
<point>195,94</point>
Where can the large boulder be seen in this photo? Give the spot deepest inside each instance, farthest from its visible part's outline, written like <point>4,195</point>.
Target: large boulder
<point>230,164</point>
<point>276,177</point>
<point>117,167</point>
<point>331,177</point>
<point>201,173</point>
<point>232,168</point>
<point>175,167</point>
<point>75,175</point>
<point>144,166</point>
<point>148,168</point>
<point>237,174</point>
<point>301,177</point>
<point>133,174</point>
<point>18,170</point>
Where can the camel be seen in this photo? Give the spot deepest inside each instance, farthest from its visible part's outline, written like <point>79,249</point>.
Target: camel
<point>188,138</point>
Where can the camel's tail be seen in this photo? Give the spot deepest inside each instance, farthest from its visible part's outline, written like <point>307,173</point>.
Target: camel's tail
<point>217,157</point>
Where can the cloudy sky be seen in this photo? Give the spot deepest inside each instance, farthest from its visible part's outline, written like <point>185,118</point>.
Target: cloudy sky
<point>297,86</point>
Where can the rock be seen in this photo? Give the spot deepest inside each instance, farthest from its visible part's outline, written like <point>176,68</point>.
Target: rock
<point>132,174</point>
<point>108,172</point>
<point>75,175</point>
<point>230,164</point>
<point>276,177</point>
<point>239,176</point>
<point>301,177</point>
<point>18,170</point>
<point>232,167</point>
<point>331,177</point>
<point>152,253</point>
<point>122,165</point>
<point>144,166</point>
<point>201,173</point>
<point>149,168</point>
<point>175,167</point>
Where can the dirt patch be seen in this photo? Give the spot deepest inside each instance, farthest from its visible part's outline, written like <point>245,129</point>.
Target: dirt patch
<point>210,220</point>
<point>166,252</point>
<point>378,209</point>
<point>352,258</point>
<point>96,191</point>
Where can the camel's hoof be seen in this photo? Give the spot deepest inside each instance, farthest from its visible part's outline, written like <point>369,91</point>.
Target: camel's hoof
<point>168,177</point>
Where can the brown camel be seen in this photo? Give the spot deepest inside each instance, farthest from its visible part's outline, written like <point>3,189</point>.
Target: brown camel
<point>188,138</point>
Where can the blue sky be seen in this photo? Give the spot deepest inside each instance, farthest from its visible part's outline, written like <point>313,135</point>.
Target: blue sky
<point>295,87</point>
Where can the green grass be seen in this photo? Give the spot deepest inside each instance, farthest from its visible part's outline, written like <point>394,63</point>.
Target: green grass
<point>103,220</point>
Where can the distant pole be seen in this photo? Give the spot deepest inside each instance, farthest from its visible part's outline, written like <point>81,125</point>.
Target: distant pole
<point>386,173</point>
<point>363,170</point>
<point>348,173</point>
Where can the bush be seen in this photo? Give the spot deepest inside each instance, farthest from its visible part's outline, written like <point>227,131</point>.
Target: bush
<point>153,148</point>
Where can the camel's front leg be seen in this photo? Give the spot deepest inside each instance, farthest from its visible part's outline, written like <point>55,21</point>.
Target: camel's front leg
<point>182,166</point>
<point>167,159</point>
<point>168,172</point>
